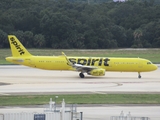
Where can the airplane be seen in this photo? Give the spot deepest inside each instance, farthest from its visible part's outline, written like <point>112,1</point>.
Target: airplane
<point>95,66</point>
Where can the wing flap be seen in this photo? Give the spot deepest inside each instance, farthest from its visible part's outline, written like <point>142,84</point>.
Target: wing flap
<point>83,68</point>
<point>79,67</point>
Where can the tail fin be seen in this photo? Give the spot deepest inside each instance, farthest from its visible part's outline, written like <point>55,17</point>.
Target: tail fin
<point>17,48</point>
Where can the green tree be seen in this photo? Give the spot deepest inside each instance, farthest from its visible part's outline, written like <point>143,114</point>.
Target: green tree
<point>39,41</point>
<point>77,24</point>
<point>137,38</point>
<point>3,39</point>
<point>119,34</point>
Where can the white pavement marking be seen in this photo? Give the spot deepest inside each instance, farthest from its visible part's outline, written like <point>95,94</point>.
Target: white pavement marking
<point>98,92</point>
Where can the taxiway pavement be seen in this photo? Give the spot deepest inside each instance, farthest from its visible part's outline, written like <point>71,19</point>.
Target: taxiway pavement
<point>24,80</point>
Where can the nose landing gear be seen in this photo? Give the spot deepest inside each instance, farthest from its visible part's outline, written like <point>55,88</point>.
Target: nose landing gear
<point>139,75</point>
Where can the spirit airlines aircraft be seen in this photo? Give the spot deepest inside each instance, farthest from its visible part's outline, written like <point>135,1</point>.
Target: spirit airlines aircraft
<point>95,66</point>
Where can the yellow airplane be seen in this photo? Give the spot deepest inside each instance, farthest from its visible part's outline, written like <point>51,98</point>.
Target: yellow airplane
<point>95,66</point>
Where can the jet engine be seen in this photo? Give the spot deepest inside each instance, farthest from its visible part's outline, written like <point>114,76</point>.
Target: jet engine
<point>97,72</point>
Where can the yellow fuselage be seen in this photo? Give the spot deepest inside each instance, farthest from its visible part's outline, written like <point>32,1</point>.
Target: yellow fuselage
<point>109,64</point>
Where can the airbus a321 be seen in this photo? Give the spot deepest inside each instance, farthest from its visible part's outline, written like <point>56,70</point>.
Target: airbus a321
<point>95,66</point>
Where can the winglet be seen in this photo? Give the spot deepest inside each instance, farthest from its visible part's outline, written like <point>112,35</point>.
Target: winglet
<point>68,62</point>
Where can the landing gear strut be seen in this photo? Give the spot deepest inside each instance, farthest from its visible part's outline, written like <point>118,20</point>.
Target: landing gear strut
<point>139,75</point>
<point>81,75</point>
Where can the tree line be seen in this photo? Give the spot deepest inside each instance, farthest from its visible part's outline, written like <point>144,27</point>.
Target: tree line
<point>69,24</point>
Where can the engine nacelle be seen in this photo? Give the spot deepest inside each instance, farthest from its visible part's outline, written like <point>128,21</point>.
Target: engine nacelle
<point>97,72</point>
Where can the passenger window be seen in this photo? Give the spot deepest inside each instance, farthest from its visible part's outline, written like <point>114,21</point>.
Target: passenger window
<point>149,63</point>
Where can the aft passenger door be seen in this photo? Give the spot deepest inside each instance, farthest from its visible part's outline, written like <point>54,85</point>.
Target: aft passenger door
<point>30,62</point>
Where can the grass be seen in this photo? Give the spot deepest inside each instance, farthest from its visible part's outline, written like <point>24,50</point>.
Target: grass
<point>81,99</point>
<point>151,54</point>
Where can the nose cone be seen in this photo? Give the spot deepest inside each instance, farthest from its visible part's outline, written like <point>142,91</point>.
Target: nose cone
<point>155,67</point>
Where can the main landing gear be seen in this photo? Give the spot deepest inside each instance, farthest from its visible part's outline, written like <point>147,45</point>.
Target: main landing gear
<point>81,75</point>
<point>139,75</point>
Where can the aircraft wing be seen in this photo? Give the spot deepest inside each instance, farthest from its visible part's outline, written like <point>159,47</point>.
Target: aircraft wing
<point>79,67</point>
<point>83,68</point>
<point>90,70</point>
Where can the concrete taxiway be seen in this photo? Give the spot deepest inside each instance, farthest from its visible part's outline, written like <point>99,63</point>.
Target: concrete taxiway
<point>24,80</point>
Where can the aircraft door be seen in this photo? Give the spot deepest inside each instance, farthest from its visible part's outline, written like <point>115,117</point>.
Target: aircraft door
<point>140,64</point>
<point>109,64</point>
<point>30,62</point>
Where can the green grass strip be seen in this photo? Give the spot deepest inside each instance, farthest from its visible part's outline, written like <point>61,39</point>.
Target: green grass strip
<point>81,99</point>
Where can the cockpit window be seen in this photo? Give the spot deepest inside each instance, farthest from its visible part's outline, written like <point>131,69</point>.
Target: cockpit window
<point>149,63</point>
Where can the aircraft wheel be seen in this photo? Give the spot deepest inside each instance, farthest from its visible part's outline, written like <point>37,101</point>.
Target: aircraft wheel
<point>139,76</point>
<point>81,75</point>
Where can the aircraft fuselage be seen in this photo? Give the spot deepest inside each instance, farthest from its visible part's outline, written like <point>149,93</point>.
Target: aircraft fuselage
<point>107,63</point>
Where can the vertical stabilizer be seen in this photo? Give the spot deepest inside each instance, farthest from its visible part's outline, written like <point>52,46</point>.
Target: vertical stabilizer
<point>17,48</point>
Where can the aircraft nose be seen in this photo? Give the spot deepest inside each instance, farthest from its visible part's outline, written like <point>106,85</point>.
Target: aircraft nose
<point>155,67</point>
